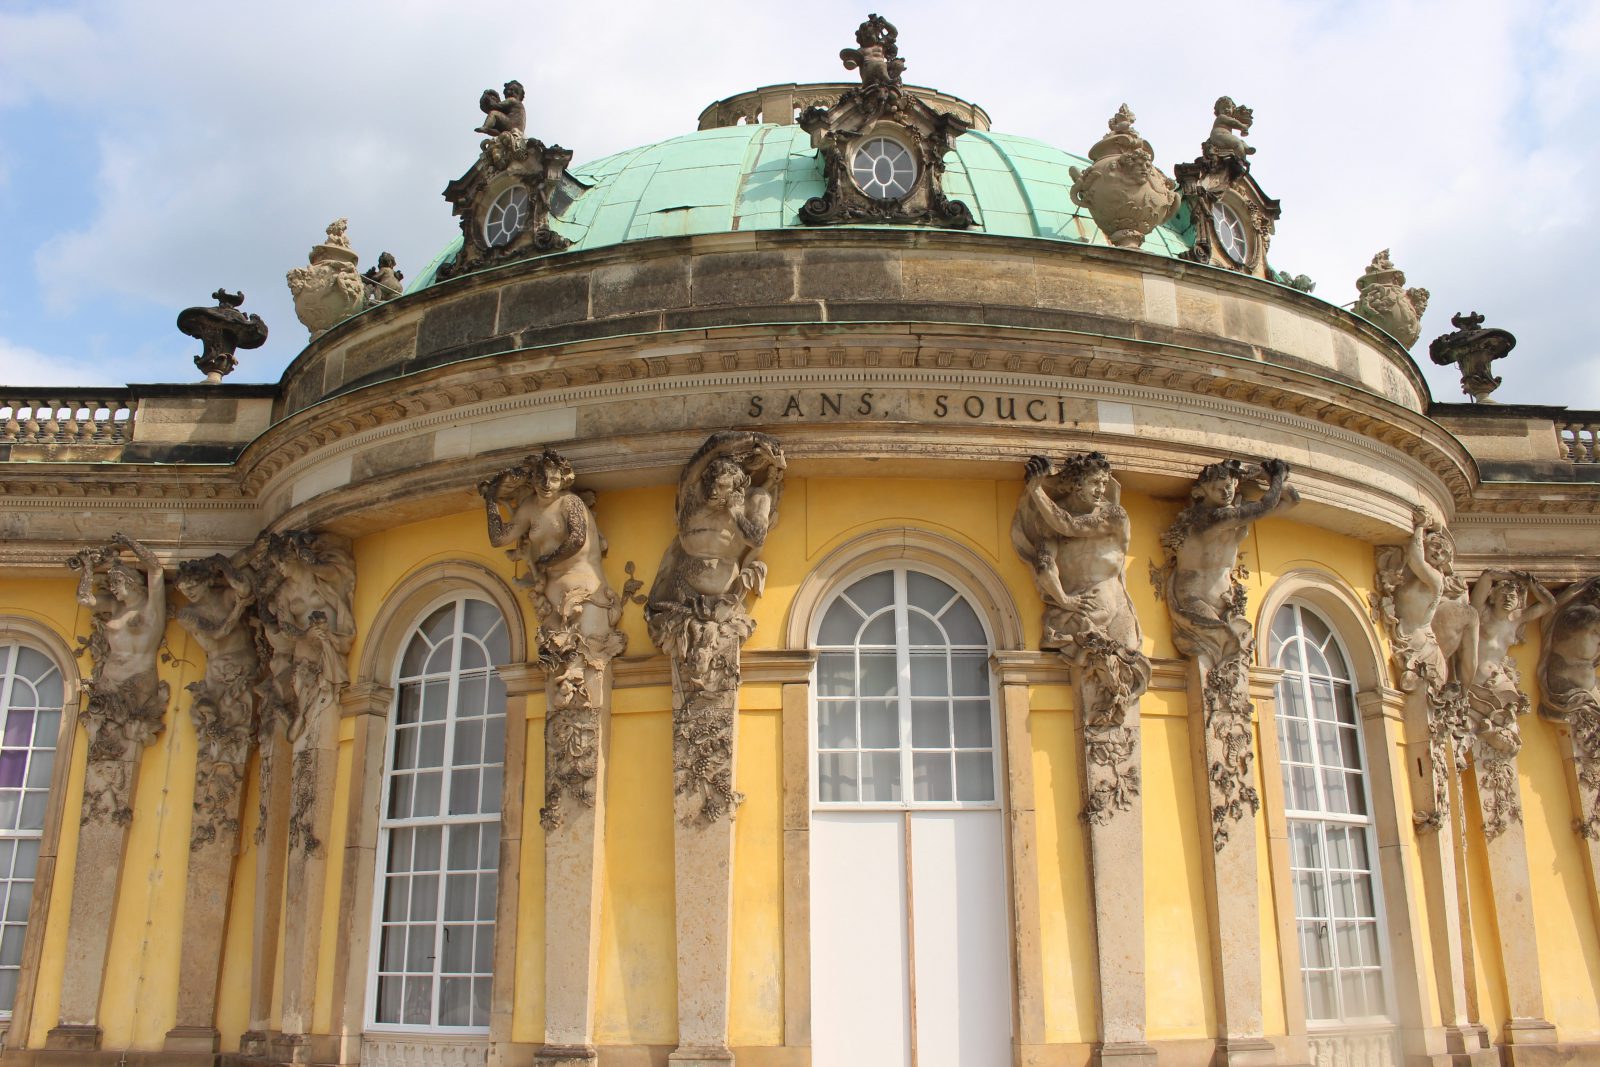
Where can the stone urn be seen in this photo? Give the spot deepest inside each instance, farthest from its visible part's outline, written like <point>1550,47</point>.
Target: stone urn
<point>329,290</point>
<point>1387,303</point>
<point>1123,191</point>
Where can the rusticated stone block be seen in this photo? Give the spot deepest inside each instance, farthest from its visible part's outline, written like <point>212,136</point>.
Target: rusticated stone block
<point>849,274</point>
<point>469,319</point>
<point>744,278</point>
<point>545,302</point>
<point>653,284</point>
<point>386,350</point>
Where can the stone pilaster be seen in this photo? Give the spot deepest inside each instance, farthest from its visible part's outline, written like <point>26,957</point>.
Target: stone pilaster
<point>271,838</point>
<point>313,763</point>
<point>1225,789</point>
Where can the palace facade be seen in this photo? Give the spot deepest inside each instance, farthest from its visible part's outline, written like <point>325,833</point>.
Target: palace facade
<point>842,586</point>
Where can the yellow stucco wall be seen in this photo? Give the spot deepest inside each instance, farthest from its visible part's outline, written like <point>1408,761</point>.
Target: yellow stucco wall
<point>636,982</point>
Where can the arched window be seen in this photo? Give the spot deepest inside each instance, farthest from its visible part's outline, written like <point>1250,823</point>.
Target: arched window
<point>30,721</point>
<point>439,829</point>
<point>1333,853</point>
<point>903,695</point>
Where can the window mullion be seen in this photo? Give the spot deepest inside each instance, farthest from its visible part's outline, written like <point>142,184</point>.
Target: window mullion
<point>902,664</point>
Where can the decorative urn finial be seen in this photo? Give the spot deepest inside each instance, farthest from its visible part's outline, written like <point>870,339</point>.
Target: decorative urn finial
<point>1123,191</point>
<point>329,290</point>
<point>1387,303</point>
<point>222,330</point>
<point>1474,349</point>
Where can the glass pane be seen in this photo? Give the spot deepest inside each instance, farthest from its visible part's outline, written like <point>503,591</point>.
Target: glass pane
<point>27,858</point>
<point>481,619</point>
<point>418,1002</point>
<point>836,724</point>
<point>473,657</point>
<point>492,796</point>
<point>880,724</point>
<point>924,631</point>
<point>409,709</point>
<point>472,695</point>
<point>435,701</point>
<point>1314,945</point>
<point>930,773</point>
<point>839,624</point>
<point>487,883</point>
<point>1336,663</point>
<point>464,792</point>
<point>1295,737</point>
<point>1315,663</point>
<point>880,631</point>
<point>440,659</point>
<point>1373,980</point>
<point>836,674</point>
<point>14,762</point>
<point>1349,749</point>
<point>457,947</point>
<point>483,953</point>
<point>416,656</point>
<point>39,770</point>
<point>439,625</point>
<point>880,776</point>
<point>970,675</point>
<point>974,776</point>
<point>927,592</point>
<point>879,677</point>
<point>930,724</point>
<point>1333,789</point>
<point>873,592</point>
<point>1319,995</point>
<point>455,1001</point>
<point>480,1001</point>
<point>389,999</point>
<point>836,777</point>
<point>392,948</point>
<point>1302,789</point>
<point>962,624</point>
<point>929,675</point>
<point>973,724</point>
<point>1322,700</point>
<point>1290,657</point>
<point>1355,996</point>
<point>1358,851</point>
<point>399,850</point>
<point>425,855</point>
<point>47,728</point>
<point>33,804</point>
<point>469,743</point>
<point>424,897</point>
<point>1291,699</point>
<point>1342,890</point>
<point>1315,628</point>
<point>430,745</point>
<point>1282,627</point>
<point>1347,704</point>
<point>1310,896</point>
<point>1338,847</point>
<point>419,949</point>
<point>49,692</point>
<point>19,729</point>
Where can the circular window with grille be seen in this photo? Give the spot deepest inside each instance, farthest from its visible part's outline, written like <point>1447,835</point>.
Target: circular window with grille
<point>507,216</point>
<point>884,169</point>
<point>1232,236</point>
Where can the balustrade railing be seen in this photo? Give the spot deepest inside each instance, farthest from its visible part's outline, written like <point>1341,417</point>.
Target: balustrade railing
<point>1580,436</point>
<point>67,417</point>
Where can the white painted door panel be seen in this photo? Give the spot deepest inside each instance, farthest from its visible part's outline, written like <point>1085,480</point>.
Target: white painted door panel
<point>860,1010</point>
<point>963,961</point>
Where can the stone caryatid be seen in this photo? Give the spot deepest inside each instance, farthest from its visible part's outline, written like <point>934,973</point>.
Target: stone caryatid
<point>1570,688</point>
<point>1230,126</point>
<point>218,617</point>
<point>1473,348</point>
<point>127,702</point>
<point>696,612</point>
<point>533,508</point>
<point>1071,529</point>
<point>1505,602</point>
<point>222,330</point>
<point>1200,579</point>
<point>504,114</point>
<point>1123,191</point>
<point>328,290</point>
<point>1385,301</point>
<point>1433,637</point>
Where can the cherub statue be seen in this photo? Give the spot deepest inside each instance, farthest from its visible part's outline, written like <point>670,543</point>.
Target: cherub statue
<point>305,602</point>
<point>1571,656</point>
<point>127,701</point>
<point>1199,579</point>
<point>875,53</point>
<point>504,114</point>
<point>1223,141</point>
<point>1433,626</point>
<point>383,282</point>
<point>1073,531</point>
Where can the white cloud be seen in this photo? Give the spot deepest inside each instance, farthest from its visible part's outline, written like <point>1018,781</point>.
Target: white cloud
<point>23,367</point>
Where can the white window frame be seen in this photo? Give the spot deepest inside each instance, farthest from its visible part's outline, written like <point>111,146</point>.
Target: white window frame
<point>444,820</point>
<point>1323,818</point>
<point>10,652</point>
<point>903,696</point>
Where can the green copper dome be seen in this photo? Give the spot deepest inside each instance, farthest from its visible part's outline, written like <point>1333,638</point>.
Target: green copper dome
<point>756,177</point>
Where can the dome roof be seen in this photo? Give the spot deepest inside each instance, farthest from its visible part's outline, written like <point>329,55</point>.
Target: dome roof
<point>756,177</point>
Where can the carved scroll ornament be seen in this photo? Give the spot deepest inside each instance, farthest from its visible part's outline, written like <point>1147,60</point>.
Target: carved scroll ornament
<point>1201,580</point>
<point>1571,690</point>
<point>127,702</point>
<point>552,529</point>
<point>219,616</point>
<point>696,612</point>
<point>1505,603</point>
<point>1072,530</point>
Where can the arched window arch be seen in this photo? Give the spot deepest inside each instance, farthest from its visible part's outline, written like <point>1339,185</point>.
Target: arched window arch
<point>439,826</point>
<point>1328,808</point>
<point>904,701</point>
<point>32,696</point>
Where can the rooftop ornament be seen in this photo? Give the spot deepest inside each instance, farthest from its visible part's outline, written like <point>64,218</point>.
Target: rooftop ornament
<point>383,282</point>
<point>1387,304</point>
<point>503,114</point>
<point>882,147</point>
<point>1224,142</point>
<point>1123,191</point>
<point>329,290</point>
<point>222,330</point>
<point>1233,217</point>
<point>1474,348</point>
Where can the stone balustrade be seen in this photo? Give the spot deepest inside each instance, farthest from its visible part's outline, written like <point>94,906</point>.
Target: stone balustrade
<point>67,417</point>
<point>1580,436</point>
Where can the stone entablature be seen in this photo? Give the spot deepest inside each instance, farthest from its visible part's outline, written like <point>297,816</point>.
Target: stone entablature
<point>781,104</point>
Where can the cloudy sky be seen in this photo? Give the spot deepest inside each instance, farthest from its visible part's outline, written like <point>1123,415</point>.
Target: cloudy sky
<point>150,152</point>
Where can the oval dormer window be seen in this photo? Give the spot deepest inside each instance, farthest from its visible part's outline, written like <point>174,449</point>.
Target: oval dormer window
<point>1231,234</point>
<point>507,216</point>
<point>884,169</point>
